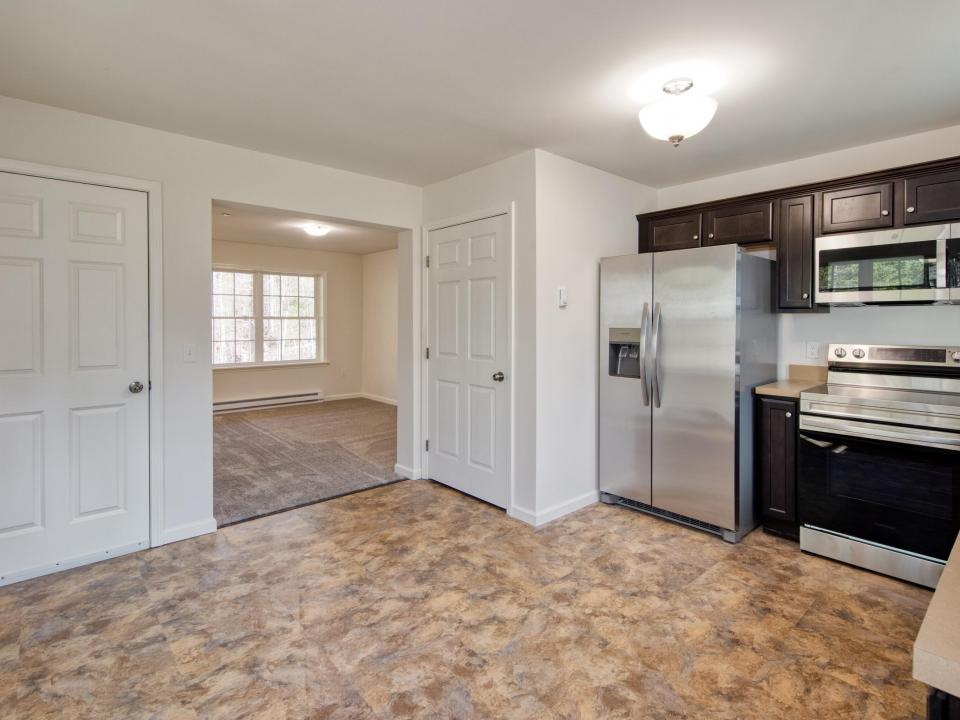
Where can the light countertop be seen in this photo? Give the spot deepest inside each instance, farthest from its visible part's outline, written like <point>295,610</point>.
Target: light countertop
<point>802,377</point>
<point>936,651</point>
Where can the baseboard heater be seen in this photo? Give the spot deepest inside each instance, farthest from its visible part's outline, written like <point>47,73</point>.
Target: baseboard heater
<point>266,402</point>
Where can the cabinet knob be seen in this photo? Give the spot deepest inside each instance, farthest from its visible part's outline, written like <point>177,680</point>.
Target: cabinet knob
<point>696,237</point>
<point>710,235</point>
<point>789,414</point>
<point>884,212</point>
<point>911,209</point>
<point>805,296</point>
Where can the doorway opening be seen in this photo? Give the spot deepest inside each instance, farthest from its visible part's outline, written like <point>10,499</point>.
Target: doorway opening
<point>304,316</point>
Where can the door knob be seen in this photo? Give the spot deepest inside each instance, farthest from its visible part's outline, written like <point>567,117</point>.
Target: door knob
<point>498,376</point>
<point>136,386</point>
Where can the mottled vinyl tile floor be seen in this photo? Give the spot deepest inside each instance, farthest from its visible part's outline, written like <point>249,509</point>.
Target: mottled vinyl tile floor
<point>269,460</point>
<point>412,600</point>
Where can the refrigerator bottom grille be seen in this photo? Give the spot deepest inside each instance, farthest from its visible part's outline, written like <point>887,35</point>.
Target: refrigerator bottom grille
<point>666,514</point>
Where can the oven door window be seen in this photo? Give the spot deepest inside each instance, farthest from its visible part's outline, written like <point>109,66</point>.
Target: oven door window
<point>904,496</point>
<point>895,266</point>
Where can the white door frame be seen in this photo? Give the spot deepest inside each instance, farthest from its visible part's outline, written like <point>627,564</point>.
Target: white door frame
<point>154,303</point>
<point>424,415</point>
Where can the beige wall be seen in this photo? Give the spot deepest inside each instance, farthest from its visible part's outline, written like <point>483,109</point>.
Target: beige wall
<point>379,353</point>
<point>341,374</point>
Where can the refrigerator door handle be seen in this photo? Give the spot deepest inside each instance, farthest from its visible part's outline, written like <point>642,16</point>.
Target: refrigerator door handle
<point>644,375</point>
<point>656,355</point>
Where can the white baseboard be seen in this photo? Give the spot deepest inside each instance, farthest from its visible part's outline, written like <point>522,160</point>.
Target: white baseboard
<point>187,530</point>
<point>542,517</point>
<point>8,578</point>
<point>522,514</point>
<point>409,473</point>
<point>377,398</point>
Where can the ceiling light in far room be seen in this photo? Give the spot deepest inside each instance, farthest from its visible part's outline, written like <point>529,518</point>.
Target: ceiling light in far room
<point>681,114</point>
<point>315,230</point>
<point>225,214</point>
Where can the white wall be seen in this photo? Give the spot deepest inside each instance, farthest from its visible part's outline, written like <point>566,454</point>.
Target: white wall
<point>379,354</point>
<point>568,216</point>
<point>409,278</point>
<point>341,375</point>
<point>495,187</point>
<point>921,325</point>
<point>194,172</point>
<point>583,214</point>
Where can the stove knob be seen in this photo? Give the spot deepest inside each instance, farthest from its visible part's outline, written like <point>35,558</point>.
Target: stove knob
<point>956,356</point>
<point>858,353</point>
<point>840,352</point>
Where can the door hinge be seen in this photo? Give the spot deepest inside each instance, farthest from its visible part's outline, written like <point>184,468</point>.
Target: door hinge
<point>428,261</point>
<point>428,353</point>
<point>427,446</point>
<point>149,385</point>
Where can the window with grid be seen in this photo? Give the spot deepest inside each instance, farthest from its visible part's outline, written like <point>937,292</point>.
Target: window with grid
<point>266,318</point>
<point>234,323</point>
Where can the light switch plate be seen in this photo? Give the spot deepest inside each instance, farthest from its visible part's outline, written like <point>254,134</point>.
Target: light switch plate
<point>189,353</point>
<point>561,297</point>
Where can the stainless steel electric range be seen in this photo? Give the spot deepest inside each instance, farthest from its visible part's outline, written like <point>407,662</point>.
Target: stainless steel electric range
<point>879,460</point>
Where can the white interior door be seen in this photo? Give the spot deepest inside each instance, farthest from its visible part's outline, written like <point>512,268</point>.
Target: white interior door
<point>74,433</point>
<point>469,382</point>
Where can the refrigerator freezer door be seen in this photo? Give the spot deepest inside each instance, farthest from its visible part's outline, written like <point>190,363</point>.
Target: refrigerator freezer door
<point>626,287</point>
<point>694,414</point>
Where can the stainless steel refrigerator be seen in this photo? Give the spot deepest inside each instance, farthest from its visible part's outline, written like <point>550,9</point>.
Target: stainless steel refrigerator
<point>685,335</point>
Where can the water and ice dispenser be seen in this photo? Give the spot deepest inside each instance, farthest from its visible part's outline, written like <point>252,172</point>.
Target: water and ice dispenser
<point>625,357</point>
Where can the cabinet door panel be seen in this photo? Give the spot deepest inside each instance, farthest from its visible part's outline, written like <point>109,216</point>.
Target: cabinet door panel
<point>741,224</point>
<point>929,198</point>
<point>795,253</point>
<point>778,464</point>
<point>865,207</point>
<point>675,233</point>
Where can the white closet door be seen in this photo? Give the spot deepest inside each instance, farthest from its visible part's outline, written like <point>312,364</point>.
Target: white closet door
<point>74,432</point>
<point>469,357</point>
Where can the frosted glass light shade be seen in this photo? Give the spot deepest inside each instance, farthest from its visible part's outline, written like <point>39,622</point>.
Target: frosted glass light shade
<point>678,116</point>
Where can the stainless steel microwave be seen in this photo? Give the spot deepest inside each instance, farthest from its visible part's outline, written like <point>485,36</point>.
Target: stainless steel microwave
<point>907,265</point>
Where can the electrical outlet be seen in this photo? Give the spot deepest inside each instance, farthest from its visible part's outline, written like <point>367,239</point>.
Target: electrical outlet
<point>813,350</point>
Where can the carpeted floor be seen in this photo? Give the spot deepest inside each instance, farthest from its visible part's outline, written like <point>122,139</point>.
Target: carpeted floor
<point>265,461</point>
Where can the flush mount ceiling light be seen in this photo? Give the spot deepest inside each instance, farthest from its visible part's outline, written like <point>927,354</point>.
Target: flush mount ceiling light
<point>316,230</point>
<point>680,115</point>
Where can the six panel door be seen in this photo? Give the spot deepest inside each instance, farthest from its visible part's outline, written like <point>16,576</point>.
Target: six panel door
<point>74,475</point>
<point>469,357</point>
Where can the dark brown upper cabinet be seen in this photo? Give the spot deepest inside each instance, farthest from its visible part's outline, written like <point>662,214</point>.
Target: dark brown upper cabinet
<point>675,232</point>
<point>795,253</point>
<point>864,207</point>
<point>929,198</point>
<point>739,224</point>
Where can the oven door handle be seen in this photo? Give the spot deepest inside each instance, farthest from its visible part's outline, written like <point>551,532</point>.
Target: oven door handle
<point>874,431</point>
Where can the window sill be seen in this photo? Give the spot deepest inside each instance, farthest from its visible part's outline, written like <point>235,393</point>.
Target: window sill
<point>269,365</point>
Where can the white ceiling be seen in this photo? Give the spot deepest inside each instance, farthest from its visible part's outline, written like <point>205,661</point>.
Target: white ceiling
<point>268,226</point>
<point>420,90</point>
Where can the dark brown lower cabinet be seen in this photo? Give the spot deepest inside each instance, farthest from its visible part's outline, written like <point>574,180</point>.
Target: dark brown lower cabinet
<point>777,465</point>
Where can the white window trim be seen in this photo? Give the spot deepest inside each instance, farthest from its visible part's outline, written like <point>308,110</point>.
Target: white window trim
<point>319,313</point>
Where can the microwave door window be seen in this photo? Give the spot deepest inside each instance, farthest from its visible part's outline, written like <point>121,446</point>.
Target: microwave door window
<point>899,266</point>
